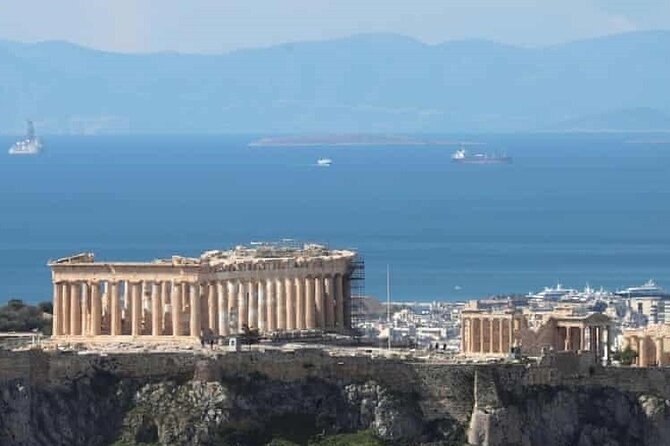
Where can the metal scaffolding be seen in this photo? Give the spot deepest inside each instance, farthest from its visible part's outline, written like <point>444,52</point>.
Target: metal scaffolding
<point>357,283</point>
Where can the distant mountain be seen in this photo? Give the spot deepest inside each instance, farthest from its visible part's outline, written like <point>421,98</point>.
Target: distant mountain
<point>629,120</point>
<point>375,83</point>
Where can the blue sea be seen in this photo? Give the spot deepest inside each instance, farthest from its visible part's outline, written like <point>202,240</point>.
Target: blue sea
<point>571,208</point>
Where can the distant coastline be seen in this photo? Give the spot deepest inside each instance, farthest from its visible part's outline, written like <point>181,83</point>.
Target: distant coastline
<point>352,140</point>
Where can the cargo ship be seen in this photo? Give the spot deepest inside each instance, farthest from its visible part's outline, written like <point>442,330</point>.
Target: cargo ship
<point>461,156</point>
<point>31,145</point>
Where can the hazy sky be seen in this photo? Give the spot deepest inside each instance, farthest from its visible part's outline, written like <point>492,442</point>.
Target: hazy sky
<point>224,25</point>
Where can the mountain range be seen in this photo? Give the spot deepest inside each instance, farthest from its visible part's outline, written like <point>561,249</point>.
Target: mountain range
<point>372,83</point>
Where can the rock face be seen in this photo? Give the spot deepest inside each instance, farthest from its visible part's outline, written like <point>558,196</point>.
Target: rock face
<point>250,398</point>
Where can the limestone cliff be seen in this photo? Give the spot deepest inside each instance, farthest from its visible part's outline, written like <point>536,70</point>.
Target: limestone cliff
<point>252,398</point>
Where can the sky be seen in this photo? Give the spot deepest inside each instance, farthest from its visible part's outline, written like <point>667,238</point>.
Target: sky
<point>214,26</point>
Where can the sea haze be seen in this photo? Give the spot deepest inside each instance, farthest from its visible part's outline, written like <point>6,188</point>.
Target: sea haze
<point>572,208</point>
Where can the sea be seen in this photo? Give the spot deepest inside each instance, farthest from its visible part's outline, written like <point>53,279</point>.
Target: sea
<point>571,208</point>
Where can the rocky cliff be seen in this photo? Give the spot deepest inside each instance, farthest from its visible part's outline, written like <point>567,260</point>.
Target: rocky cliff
<point>255,398</point>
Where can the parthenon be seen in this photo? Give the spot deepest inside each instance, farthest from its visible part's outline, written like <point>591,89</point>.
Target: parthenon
<point>265,287</point>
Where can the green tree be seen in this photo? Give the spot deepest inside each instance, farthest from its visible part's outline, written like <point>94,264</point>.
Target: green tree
<point>626,356</point>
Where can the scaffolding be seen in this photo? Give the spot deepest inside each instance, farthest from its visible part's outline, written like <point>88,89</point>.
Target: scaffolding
<point>357,284</point>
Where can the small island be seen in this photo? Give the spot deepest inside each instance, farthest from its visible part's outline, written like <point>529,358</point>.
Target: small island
<point>350,140</point>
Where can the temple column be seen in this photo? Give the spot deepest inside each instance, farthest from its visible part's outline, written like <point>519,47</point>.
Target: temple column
<point>66,309</point>
<point>156,310</point>
<point>233,317</point>
<point>330,302</point>
<point>115,309</point>
<point>242,307</point>
<point>642,352</point>
<point>280,301</point>
<point>57,307</point>
<point>271,303</point>
<point>659,351</point>
<point>300,304</point>
<point>212,303</point>
<point>462,343</point>
<point>194,304</point>
<point>319,304</point>
<point>310,306</point>
<point>289,305</point>
<point>96,309</point>
<point>126,319</point>
<point>176,299</point>
<point>166,309</point>
<point>491,349</point>
<point>252,287</point>
<point>511,333</point>
<point>75,309</point>
<point>262,306</point>
<point>339,301</point>
<point>481,335</point>
<point>501,338</point>
<point>85,297</point>
<point>222,297</point>
<point>136,308</point>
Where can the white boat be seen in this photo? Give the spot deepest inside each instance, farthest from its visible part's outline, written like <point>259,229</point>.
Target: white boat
<point>461,156</point>
<point>324,162</point>
<point>31,145</point>
<point>648,289</point>
<point>558,293</point>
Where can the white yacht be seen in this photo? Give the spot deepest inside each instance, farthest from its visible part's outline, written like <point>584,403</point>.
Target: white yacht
<point>324,162</point>
<point>557,293</point>
<point>31,145</point>
<point>649,288</point>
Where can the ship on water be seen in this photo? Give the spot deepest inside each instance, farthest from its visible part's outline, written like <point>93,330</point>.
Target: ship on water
<point>30,145</point>
<point>461,156</point>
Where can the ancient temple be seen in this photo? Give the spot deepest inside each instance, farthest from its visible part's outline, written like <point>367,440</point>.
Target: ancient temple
<point>265,287</point>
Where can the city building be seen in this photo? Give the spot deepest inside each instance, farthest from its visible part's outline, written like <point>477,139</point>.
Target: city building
<point>272,288</point>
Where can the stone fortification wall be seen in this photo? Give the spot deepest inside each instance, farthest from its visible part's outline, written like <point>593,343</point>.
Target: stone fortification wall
<point>185,398</point>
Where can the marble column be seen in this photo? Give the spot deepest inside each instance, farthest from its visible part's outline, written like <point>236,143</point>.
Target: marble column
<point>194,304</point>
<point>222,301</point>
<point>212,313</point>
<point>300,304</point>
<point>501,342</point>
<point>233,317</point>
<point>96,309</point>
<point>271,305</point>
<point>75,308</point>
<point>659,351</point>
<point>290,303</point>
<point>642,352</point>
<point>136,308</point>
<point>319,303</point>
<point>310,305</point>
<point>462,330</point>
<point>491,349</point>
<point>166,308</point>
<point>481,335</point>
<point>280,300</point>
<point>66,308</point>
<point>85,293</point>
<point>176,299</point>
<point>242,307</point>
<point>252,291</point>
<point>156,309</point>
<point>127,306</point>
<point>262,306</point>
<point>56,321</point>
<point>330,302</point>
<point>115,309</point>
<point>511,333</point>
<point>339,301</point>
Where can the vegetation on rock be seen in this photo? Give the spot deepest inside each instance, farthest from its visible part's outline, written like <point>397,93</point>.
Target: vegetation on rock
<point>19,316</point>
